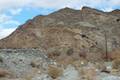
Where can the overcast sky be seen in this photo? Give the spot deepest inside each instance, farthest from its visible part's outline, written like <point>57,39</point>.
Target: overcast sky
<point>16,12</point>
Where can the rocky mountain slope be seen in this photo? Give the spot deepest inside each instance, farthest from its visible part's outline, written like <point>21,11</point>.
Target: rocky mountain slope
<point>65,45</point>
<point>69,31</point>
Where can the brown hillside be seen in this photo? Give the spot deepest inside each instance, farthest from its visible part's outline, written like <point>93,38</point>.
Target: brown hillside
<point>82,30</point>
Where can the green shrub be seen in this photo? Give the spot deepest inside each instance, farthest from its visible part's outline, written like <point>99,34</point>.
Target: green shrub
<point>70,51</point>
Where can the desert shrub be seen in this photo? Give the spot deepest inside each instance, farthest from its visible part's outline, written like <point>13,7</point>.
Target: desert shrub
<point>33,64</point>
<point>4,73</point>
<point>106,57</point>
<point>31,74</point>
<point>54,54</point>
<point>36,63</point>
<point>116,64</point>
<point>89,73</point>
<point>101,66</point>
<point>82,54</point>
<point>65,60</point>
<point>70,51</point>
<point>93,56</point>
<point>115,54</point>
<point>54,72</point>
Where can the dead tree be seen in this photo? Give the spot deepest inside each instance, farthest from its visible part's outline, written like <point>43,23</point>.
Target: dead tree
<point>106,45</point>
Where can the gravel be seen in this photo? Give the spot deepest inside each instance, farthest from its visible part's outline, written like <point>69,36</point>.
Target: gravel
<point>18,60</point>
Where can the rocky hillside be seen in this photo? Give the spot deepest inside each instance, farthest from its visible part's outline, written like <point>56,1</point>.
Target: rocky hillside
<point>69,31</point>
<point>65,45</point>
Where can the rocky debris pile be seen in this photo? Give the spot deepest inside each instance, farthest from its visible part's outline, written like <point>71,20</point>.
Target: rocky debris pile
<point>20,62</point>
<point>33,64</point>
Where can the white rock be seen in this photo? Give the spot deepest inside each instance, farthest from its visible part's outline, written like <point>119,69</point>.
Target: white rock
<point>70,74</point>
<point>104,76</point>
<point>111,78</point>
<point>42,77</point>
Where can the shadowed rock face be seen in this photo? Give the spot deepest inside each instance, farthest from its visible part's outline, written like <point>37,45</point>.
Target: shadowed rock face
<point>83,30</point>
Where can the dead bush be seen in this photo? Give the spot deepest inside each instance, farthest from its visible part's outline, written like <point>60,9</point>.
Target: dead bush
<point>54,54</point>
<point>66,60</point>
<point>115,54</point>
<point>93,57</point>
<point>82,54</point>
<point>54,72</point>
<point>31,74</point>
<point>88,73</point>
<point>116,64</point>
<point>4,73</point>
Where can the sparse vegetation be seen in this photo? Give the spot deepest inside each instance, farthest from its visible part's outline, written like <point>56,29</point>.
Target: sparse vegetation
<point>54,54</point>
<point>116,64</point>
<point>31,74</point>
<point>67,44</point>
<point>82,54</point>
<point>70,51</point>
<point>54,72</point>
<point>33,64</point>
<point>4,73</point>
